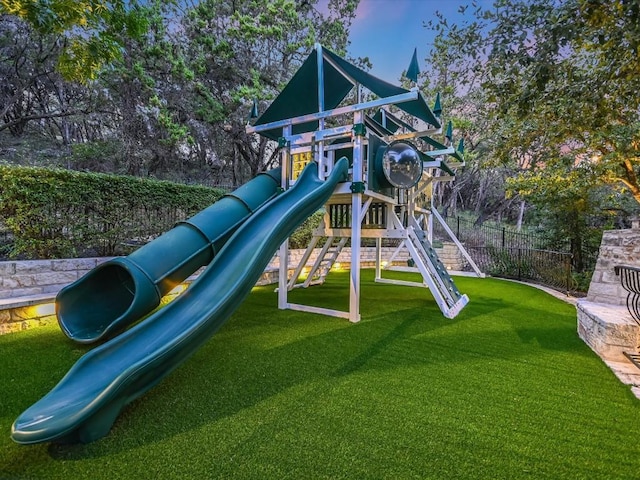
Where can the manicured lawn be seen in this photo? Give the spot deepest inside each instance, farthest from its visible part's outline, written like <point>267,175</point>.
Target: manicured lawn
<point>506,390</point>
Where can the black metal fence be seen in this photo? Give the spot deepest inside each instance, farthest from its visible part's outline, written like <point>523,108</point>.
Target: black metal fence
<point>489,236</point>
<point>6,241</point>
<point>503,252</point>
<point>545,267</point>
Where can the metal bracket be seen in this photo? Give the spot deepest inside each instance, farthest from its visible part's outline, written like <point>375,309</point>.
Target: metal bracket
<point>359,129</point>
<point>358,187</point>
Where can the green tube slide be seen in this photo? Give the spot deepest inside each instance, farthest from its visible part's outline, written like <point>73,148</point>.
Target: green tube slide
<point>120,291</point>
<point>83,406</point>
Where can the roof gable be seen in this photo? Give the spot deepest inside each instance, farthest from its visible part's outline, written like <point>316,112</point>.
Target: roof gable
<point>300,96</point>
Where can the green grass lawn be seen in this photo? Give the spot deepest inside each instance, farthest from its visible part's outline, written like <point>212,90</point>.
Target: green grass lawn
<point>506,390</point>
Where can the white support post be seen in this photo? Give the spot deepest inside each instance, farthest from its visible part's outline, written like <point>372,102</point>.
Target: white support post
<point>284,248</point>
<point>378,259</point>
<point>429,224</point>
<point>356,224</point>
<point>435,213</point>
<point>322,166</point>
<point>282,275</point>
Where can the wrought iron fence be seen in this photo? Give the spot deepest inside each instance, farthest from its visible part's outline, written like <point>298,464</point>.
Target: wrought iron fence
<point>503,252</point>
<point>630,280</point>
<point>545,267</point>
<point>490,236</point>
<point>6,241</point>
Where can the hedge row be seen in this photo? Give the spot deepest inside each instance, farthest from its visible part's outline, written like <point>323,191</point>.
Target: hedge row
<point>63,213</point>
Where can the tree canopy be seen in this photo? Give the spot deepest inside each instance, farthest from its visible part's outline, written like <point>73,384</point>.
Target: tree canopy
<point>544,93</point>
<point>89,30</point>
<point>561,80</point>
<point>162,88</point>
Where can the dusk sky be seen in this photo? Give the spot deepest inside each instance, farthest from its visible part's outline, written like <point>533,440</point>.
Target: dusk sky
<point>387,31</point>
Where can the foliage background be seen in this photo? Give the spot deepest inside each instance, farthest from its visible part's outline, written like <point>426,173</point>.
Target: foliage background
<point>54,213</point>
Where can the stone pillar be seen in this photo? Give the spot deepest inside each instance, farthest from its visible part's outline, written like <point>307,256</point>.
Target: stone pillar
<point>618,247</point>
<point>604,322</point>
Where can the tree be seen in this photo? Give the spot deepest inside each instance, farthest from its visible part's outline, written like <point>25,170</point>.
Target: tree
<point>247,49</point>
<point>176,98</point>
<point>560,80</point>
<point>89,29</point>
<point>566,74</point>
<point>480,185</point>
<point>33,95</point>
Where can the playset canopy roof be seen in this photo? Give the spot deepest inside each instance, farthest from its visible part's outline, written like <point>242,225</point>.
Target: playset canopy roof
<point>338,76</point>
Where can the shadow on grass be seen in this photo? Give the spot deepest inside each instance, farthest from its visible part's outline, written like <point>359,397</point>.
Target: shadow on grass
<point>232,372</point>
<point>35,360</point>
<point>263,352</point>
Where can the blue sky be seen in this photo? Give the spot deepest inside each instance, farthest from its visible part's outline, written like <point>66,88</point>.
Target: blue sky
<point>387,31</point>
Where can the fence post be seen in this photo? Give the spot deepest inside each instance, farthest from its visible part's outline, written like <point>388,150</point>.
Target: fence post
<point>502,237</point>
<point>458,228</point>
<point>519,262</point>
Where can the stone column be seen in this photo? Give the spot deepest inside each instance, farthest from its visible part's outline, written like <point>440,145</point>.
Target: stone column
<point>604,322</point>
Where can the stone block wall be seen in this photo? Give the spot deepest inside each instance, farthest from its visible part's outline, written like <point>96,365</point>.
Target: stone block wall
<point>19,278</point>
<point>618,247</point>
<point>604,322</point>
<point>27,316</point>
<point>607,329</point>
<point>28,288</point>
<point>451,256</point>
<point>367,257</point>
<point>448,254</point>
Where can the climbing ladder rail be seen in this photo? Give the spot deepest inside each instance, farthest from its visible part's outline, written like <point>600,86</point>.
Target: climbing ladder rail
<point>455,240</point>
<point>435,275</point>
<point>326,259</point>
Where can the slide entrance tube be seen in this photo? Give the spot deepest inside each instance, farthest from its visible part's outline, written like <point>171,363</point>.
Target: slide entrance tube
<point>120,291</point>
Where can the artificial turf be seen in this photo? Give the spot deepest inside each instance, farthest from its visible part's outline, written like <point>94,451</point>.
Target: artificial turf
<point>504,390</point>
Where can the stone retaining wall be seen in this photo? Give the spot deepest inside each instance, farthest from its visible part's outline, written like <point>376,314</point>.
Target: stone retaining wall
<point>17,314</point>
<point>20,278</point>
<point>607,329</point>
<point>28,288</point>
<point>367,257</point>
<point>449,255</point>
<point>618,247</point>
<point>604,322</point>
<point>37,312</point>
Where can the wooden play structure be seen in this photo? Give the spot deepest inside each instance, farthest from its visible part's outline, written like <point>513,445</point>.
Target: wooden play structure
<point>331,109</point>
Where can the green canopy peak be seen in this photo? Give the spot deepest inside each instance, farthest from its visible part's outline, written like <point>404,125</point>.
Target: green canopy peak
<point>321,83</point>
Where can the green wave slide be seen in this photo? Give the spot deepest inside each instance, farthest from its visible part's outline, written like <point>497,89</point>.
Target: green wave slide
<point>120,291</point>
<point>83,406</point>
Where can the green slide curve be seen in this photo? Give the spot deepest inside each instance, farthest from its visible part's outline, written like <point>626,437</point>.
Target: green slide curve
<point>83,406</point>
<point>120,291</point>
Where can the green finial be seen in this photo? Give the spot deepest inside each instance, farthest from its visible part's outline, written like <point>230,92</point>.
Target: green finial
<point>437,108</point>
<point>461,146</point>
<point>449,134</point>
<point>414,70</point>
<point>254,109</point>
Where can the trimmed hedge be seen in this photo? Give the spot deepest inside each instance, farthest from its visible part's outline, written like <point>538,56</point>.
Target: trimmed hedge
<point>303,234</point>
<point>54,213</point>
